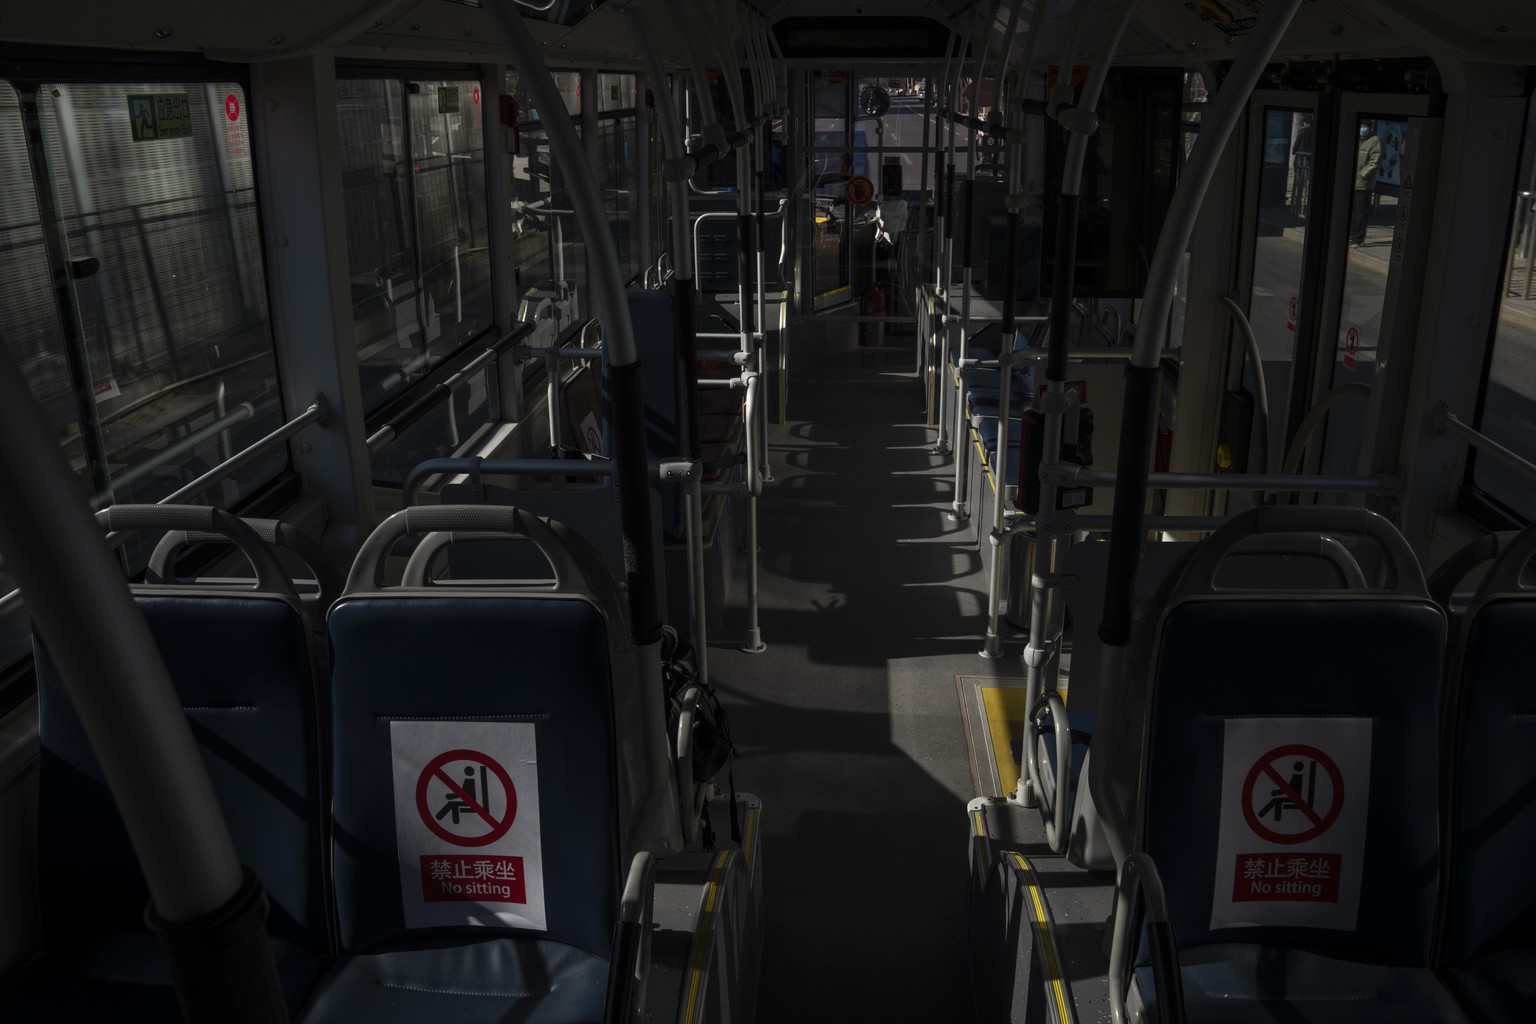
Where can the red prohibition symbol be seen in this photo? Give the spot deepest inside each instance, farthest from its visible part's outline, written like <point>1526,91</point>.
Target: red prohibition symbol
<point>467,800</point>
<point>1287,796</point>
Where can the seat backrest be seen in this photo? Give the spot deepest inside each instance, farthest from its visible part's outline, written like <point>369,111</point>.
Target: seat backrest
<point>1290,739</point>
<point>240,661</point>
<point>655,318</point>
<point>1491,762</point>
<point>1267,561</point>
<point>477,744</point>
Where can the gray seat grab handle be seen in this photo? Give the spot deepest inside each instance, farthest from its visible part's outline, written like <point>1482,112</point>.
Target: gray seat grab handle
<point>1242,535</point>
<point>420,562</point>
<point>1317,545</point>
<point>1504,576</point>
<point>561,547</point>
<point>273,532</point>
<point>270,577</point>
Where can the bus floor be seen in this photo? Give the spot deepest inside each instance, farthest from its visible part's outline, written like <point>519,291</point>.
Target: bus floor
<point>848,727</point>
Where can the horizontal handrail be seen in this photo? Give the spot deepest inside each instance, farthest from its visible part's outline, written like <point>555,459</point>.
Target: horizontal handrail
<point>175,450</point>
<point>1070,474</point>
<point>316,413</point>
<point>440,391</point>
<point>1447,423</point>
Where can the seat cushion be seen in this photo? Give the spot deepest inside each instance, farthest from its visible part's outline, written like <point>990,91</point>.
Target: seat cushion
<point>1240,983</point>
<point>531,981</point>
<point>124,977</point>
<point>1498,986</point>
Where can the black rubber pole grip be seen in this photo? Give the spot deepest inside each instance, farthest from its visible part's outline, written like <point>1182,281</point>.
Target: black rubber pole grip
<point>632,479</point>
<point>221,963</point>
<point>1010,272</point>
<point>1137,428</point>
<point>687,364</point>
<point>1062,282</point>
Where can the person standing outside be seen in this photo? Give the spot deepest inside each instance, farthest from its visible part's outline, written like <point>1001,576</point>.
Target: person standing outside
<point>1301,164</point>
<point>1367,162</point>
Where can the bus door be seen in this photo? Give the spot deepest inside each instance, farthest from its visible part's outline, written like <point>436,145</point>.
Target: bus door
<point>1324,261</point>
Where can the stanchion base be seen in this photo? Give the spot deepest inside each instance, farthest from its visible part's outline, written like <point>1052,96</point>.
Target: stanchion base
<point>992,649</point>
<point>959,513</point>
<point>754,644</point>
<point>1024,796</point>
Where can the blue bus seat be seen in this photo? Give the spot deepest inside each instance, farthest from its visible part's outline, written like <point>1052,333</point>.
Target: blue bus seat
<point>655,319</point>
<point>241,662</point>
<point>1363,671</point>
<point>461,657</point>
<point>1488,946</point>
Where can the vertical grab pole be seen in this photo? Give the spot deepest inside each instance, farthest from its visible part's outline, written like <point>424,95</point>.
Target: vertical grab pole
<point>658,820</point>
<point>754,642</point>
<point>1138,425</point>
<point>1081,121</point>
<point>677,169</point>
<point>992,646</point>
<point>946,392</point>
<point>960,510</point>
<point>933,104</point>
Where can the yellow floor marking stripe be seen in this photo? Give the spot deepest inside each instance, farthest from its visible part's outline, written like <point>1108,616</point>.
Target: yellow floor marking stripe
<point>1005,707</point>
<point>705,935</point>
<point>746,847</point>
<point>1047,942</point>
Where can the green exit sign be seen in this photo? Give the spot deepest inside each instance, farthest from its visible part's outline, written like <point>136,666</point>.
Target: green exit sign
<point>159,116</point>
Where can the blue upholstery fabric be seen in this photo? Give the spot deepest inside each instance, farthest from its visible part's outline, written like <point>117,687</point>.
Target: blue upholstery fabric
<point>986,431</point>
<point>1492,891</point>
<point>474,658</point>
<point>1241,983</point>
<point>1490,927</point>
<point>1358,657</point>
<point>474,983</point>
<point>1497,987</point>
<point>241,666</point>
<point>655,321</point>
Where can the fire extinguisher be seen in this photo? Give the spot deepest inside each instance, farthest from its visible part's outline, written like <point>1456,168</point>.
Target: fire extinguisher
<point>874,301</point>
<point>872,304</point>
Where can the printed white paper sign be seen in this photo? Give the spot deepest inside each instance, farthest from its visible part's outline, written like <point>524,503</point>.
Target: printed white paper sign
<point>1294,796</point>
<point>467,823</point>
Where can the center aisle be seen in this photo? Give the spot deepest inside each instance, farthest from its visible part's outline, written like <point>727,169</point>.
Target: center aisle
<point>848,726</point>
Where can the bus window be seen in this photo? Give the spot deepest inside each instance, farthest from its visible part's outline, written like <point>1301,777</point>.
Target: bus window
<point>1508,413</point>
<point>157,209</point>
<point>413,171</point>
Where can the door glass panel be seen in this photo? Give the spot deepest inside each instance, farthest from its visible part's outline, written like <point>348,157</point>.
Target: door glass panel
<point>831,167</point>
<point>1284,182</point>
<point>1508,413</point>
<point>1380,146</point>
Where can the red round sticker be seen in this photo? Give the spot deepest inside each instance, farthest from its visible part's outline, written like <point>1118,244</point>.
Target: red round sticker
<point>232,107</point>
<point>475,95</point>
<point>859,190</point>
<point>464,812</point>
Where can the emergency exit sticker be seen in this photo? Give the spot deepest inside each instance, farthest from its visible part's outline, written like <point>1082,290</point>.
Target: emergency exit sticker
<point>1294,797</point>
<point>467,823</point>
